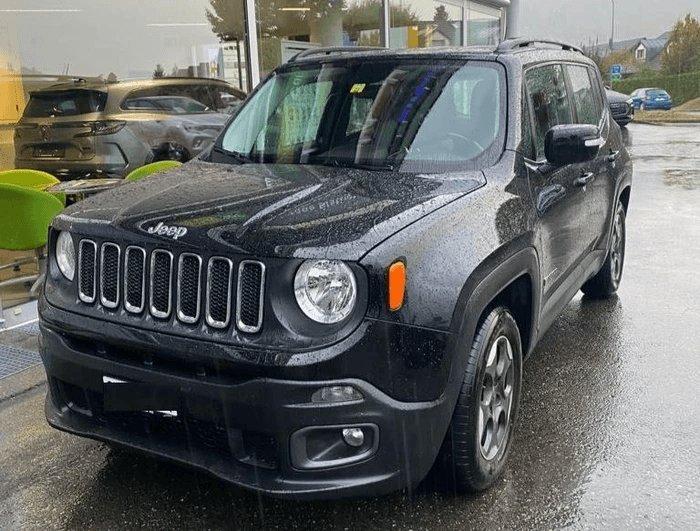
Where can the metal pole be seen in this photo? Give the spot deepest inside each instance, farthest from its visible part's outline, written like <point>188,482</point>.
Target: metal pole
<point>612,29</point>
<point>252,48</point>
<point>386,24</point>
<point>513,20</point>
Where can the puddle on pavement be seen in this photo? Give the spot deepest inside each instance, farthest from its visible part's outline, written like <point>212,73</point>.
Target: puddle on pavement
<point>686,179</point>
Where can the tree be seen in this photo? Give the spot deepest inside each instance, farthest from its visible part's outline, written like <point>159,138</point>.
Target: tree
<point>683,50</point>
<point>158,72</point>
<point>441,14</point>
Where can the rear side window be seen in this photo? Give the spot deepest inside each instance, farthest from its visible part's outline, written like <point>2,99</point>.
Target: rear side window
<point>171,99</point>
<point>225,100</point>
<point>549,101</point>
<point>65,103</point>
<point>585,101</point>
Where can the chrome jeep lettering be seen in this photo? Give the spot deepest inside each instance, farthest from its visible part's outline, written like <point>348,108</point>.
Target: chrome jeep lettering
<point>173,232</point>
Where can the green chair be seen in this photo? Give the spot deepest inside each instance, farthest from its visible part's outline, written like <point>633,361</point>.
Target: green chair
<point>35,179</point>
<point>25,216</point>
<point>150,169</point>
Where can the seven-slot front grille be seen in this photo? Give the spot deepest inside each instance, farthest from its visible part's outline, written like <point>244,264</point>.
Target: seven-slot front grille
<point>87,270</point>
<point>251,286</point>
<point>189,289</point>
<point>134,279</point>
<point>109,277</point>
<point>161,283</point>
<point>183,285</point>
<point>219,275</point>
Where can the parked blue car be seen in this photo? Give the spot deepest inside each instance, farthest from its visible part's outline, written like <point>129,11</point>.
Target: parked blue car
<point>651,99</point>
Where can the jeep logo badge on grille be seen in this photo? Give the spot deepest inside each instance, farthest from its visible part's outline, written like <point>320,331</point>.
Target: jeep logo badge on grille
<point>173,232</point>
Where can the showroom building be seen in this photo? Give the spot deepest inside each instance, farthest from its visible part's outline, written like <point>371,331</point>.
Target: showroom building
<point>76,45</point>
<point>275,30</point>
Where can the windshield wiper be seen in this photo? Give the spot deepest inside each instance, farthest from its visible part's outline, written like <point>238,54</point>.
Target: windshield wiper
<point>238,157</point>
<point>345,164</point>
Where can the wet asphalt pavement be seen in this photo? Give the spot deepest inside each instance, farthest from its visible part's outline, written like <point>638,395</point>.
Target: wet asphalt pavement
<point>608,435</point>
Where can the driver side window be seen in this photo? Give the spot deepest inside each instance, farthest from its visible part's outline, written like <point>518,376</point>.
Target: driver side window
<point>549,101</point>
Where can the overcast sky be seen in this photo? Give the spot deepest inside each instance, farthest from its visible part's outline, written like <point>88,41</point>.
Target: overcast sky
<point>578,20</point>
<point>129,37</point>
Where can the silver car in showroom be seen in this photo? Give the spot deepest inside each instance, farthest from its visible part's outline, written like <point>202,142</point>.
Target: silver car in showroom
<point>83,129</point>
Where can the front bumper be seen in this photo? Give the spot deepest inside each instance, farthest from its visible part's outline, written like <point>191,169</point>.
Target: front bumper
<point>243,429</point>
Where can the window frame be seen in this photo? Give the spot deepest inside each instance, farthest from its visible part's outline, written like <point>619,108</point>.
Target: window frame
<point>531,110</point>
<point>595,91</point>
<point>574,113</point>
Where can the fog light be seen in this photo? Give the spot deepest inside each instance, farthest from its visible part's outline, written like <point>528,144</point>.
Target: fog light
<point>354,437</point>
<point>335,394</point>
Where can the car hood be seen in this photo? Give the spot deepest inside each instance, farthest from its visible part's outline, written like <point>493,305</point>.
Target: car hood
<point>270,210</point>
<point>616,97</point>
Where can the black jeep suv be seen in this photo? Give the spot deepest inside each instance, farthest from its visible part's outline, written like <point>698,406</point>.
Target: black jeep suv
<point>340,293</point>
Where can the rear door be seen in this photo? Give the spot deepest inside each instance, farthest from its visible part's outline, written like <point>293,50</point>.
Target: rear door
<point>57,125</point>
<point>598,195</point>
<point>555,193</point>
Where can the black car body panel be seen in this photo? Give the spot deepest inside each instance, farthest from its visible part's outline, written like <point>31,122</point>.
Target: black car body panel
<point>516,232</point>
<point>276,210</point>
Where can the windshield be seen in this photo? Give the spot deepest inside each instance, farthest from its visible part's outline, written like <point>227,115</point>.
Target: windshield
<point>416,115</point>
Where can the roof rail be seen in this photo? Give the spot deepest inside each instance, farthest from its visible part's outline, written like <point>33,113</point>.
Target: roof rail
<point>523,42</point>
<point>333,49</point>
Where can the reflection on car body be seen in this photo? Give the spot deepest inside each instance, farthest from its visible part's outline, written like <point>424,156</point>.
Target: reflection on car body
<point>79,128</point>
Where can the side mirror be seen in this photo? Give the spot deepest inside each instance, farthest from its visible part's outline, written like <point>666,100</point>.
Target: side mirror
<point>572,144</point>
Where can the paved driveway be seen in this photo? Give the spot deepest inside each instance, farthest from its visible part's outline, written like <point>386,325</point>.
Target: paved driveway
<point>609,433</point>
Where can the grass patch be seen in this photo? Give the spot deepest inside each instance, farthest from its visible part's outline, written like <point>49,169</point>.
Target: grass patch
<point>674,116</point>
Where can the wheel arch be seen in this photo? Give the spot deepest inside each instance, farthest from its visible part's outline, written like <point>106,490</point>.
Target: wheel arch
<point>514,283</point>
<point>625,197</point>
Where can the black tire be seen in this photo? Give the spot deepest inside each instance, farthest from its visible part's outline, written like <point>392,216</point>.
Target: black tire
<point>462,454</point>
<point>607,281</point>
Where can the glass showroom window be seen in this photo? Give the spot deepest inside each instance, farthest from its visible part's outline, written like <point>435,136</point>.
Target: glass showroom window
<point>100,88</point>
<point>483,24</point>
<point>287,27</point>
<point>424,23</point>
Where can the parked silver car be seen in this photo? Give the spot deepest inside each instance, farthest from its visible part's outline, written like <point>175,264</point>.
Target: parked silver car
<point>80,129</point>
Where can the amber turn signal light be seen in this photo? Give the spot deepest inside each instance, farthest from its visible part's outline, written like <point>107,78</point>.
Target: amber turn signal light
<point>397,285</point>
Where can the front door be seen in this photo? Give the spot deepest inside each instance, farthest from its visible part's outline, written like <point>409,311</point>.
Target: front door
<point>596,209</point>
<point>555,191</point>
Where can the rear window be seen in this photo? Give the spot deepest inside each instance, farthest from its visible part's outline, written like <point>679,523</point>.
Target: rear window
<point>65,103</point>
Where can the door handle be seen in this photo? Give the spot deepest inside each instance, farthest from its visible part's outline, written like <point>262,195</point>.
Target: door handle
<point>585,179</point>
<point>613,156</point>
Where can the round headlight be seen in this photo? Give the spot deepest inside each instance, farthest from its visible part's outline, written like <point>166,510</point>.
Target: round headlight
<point>325,290</point>
<point>65,255</point>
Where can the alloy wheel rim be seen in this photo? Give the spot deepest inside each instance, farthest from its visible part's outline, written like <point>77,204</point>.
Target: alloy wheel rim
<point>496,399</point>
<point>617,249</point>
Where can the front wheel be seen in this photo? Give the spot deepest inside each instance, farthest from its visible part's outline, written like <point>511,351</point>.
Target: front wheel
<point>606,282</point>
<point>478,440</point>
